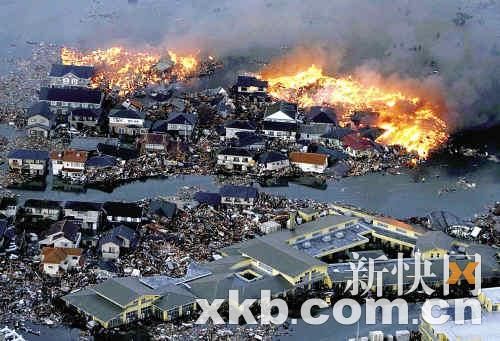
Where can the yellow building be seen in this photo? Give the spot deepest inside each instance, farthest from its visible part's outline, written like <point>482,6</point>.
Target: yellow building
<point>123,300</point>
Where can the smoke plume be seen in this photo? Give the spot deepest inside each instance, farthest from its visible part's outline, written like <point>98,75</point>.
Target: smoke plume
<point>448,46</point>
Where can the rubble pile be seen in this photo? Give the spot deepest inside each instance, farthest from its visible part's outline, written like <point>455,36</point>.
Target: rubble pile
<point>18,87</point>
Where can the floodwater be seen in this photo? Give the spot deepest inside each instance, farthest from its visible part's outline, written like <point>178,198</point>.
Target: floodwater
<point>396,195</point>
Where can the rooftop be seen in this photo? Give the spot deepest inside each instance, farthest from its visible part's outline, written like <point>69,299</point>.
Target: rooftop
<point>28,154</point>
<point>251,81</point>
<point>311,158</point>
<point>238,191</point>
<point>76,95</point>
<point>80,71</point>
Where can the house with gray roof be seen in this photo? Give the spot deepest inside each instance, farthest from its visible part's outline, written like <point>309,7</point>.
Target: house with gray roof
<point>119,238</point>
<point>64,76</point>
<point>40,120</point>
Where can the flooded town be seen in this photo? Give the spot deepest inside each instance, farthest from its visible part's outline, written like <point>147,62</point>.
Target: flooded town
<point>143,184</point>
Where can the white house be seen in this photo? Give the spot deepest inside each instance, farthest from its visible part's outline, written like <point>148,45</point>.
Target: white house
<point>63,100</point>
<point>251,85</point>
<point>40,120</point>
<point>64,233</point>
<point>8,206</point>
<point>69,164</point>
<point>122,212</point>
<point>55,259</point>
<point>46,209</point>
<point>127,122</point>
<point>238,159</point>
<point>280,130</point>
<point>236,126</point>
<point>272,161</point>
<point>311,132</point>
<point>28,161</point>
<point>120,237</point>
<point>282,112</point>
<point>89,213</point>
<point>238,195</point>
<point>309,162</point>
<point>62,75</point>
<point>182,123</point>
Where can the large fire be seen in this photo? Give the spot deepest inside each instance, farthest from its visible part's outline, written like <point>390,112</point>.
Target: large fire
<point>125,70</point>
<point>407,120</point>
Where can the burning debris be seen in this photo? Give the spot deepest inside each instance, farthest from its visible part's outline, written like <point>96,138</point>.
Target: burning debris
<point>127,70</point>
<point>407,120</point>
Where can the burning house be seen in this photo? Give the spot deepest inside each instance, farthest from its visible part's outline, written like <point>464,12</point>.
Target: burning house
<point>249,85</point>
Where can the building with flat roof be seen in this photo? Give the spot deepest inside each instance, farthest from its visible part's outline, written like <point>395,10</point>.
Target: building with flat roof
<point>490,298</point>
<point>463,329</point>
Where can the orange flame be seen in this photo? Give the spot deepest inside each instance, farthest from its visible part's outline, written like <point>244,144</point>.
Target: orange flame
<point>125,70</point>
<point>407,120</point>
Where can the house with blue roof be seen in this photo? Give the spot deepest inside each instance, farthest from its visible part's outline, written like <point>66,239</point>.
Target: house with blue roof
<point>64,76</point>
<point>28,161</point>
<point>272,161</point>
<point>182,123</point>
<point>40,120</point>
<point>238,195</point>
<point>63,100</point>
<point>127,122</point>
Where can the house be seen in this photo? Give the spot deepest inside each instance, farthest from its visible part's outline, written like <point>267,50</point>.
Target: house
<point>282,130</point>
<point>40,120</point>
<point>64,233</point>
<point>55,259</point>
<point>357,146</point>
<point>69,164</point>
<point>81,118</point>
<point>154,143</point>
<point>28,161</point>
<point>238,195</point>
<point>116,151</point>
<point>269,226</point>
<point>159,127</point>
<point>63,100</point>
<point>272,161</point>
<point>89,213</point>
<point>311,132</point>
<point>249,85</point>
<point>8,206</point>
<point>120,237</point>
<point>282,112</point>
<point>162,209</point>
<point>309,162</point>
<point>250,141</point>
<point>63,76</point>
<point>236,126</point>
<point>322,116</point>
<point>237,159</point>
<point>334,136</point>
<point>364,118</point>
<point>100,162</point>
<point>208,198</point>
<point>127,122</point>
<point>122,212</point>
<point>182,123</point>
<point>46,209</point>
